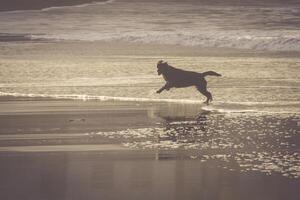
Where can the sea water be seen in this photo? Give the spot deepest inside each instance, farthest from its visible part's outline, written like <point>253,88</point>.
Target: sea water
<point>252,83</point>
<point>259,25</point>
<point>247,84</point>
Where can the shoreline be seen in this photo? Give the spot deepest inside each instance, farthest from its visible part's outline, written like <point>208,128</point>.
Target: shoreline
<point>19,5</point>
<point>25,115</point>
<point>69,116</point>
<point>35,46</point>
<point>152,146</point>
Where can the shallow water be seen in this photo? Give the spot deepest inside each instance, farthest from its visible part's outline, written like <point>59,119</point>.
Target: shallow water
<point>253,142</point>
<point>256,84</point>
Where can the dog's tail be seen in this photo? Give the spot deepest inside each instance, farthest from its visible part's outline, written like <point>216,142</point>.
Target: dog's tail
<point>210,73</point>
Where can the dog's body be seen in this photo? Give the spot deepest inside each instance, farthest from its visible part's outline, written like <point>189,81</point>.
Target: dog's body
<point>179,78</point>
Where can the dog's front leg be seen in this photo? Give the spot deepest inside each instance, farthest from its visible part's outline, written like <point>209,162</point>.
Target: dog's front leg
<point>165,87</point>
<point>161,89</point>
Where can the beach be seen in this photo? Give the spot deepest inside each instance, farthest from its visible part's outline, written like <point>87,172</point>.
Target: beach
<point>70,149</point>
<point>96,137</point>
<point>80,117</point>
<point>78,133</point>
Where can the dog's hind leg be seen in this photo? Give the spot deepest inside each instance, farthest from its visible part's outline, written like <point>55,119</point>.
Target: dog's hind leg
<point>203,90</point>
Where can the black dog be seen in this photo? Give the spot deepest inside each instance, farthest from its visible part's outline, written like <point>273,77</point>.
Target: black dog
<point>179,78</point>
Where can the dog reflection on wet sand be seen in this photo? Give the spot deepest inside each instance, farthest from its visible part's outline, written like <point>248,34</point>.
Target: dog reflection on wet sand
<point>179,78</point>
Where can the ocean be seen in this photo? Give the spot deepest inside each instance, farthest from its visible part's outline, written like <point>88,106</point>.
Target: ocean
<point>251,83</point>
<point>255,84</point>
<point>256,25</point>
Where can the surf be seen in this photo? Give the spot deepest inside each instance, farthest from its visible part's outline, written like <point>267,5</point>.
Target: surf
<point>78,6</point>
<point>215,106</point>
<point>51,8</point>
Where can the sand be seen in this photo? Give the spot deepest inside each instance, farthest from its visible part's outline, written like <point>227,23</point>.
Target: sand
<point>65,116</point>
<point>71,149</point>
<point>130,175</point>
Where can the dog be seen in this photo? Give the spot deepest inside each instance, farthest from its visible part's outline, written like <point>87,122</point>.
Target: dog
<point>179,78</point>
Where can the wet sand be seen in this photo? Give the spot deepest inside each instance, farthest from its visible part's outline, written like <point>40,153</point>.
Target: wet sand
<point>69,149</point>
<point>132,175</point>
<point>67,116</point>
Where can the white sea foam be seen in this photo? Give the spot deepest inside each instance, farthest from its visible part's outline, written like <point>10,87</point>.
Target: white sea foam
<point>270,107</point>
<point>60,7</point>
<point>79,6</point>
<point>270,28</point>
<point>100,98</point>
<point>280,41</point>
<point>218,106</point>
<point>258,40</point>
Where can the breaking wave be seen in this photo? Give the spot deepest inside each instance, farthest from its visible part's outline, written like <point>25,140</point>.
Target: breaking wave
<point>216,106</point>
<point>179,23</point>
<point>61,7</point>
<point>100,98</point>
<point>79,6</point>
<point>230,39</point>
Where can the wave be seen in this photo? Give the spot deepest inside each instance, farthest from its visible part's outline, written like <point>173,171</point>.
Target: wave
<point>279,41</point>
<point>60,7</point>
<point>216,106</point>
<point>186,29</point>
<point>100,98</point>
<point>236,40</point>
<point>280,107</point>
<point>243,110</point>
<point>78,6</point>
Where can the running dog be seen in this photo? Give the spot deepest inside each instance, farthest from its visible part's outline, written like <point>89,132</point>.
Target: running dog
<point>179,78</point>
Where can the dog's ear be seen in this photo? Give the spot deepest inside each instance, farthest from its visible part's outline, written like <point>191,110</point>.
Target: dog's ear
<point>159,62</point>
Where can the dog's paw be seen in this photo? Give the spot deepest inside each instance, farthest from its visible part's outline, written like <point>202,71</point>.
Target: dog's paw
<point>206,102</point>
<point>158,91</point>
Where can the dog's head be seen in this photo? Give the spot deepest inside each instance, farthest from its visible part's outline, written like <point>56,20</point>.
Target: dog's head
<point>162,67</point>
